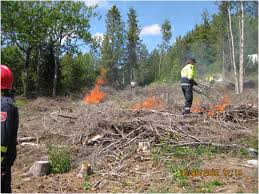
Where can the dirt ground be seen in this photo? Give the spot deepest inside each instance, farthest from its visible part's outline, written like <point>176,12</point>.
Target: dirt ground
<point>69,121</point>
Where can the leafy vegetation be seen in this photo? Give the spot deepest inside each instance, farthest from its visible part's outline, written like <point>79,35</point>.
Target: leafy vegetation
<point>86,183</point>
<point>43,46</point>
<point>19,102</point>
<point>59,158</point>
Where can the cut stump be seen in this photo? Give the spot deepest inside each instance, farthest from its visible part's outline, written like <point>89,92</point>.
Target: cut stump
<point>40,168</point>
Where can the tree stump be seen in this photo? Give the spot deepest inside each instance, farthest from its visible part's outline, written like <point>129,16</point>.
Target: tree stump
<point>86,169</point>
<point>143,147</point>
<point>40,168</point>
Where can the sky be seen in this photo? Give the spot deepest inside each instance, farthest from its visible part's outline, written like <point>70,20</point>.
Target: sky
<point>183,16</point>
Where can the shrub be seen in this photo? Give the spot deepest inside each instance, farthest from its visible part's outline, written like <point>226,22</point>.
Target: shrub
<point>59,158</point>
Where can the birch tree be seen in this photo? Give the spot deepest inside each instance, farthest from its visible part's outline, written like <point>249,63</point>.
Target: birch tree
<point>241,45</point>
<point>232,49</point>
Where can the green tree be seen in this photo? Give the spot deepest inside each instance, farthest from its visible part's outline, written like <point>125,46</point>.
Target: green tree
<point>113,44</point>
<point>77,72</point>
<point>22,24</point>
<point>143,70</point>
<point>68,23</point>
<point>132,37</point>
<point>166,32</point>
<point>166,36</point>
<point>12,56</point>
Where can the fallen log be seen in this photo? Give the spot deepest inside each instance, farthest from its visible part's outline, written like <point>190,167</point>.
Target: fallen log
<point>22,139</point>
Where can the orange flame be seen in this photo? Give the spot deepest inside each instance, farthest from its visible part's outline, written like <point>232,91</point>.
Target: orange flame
<point>196,106</point>
<point>150,103</point>
<point>100,81</point>
<point>219,107</point>
<point>212,109</point>
<point>96,95</point>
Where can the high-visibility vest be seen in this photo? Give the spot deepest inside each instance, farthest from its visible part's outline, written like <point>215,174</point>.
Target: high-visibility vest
<point>210,79</point>
<point>189,71</point>
<point>3,151</point>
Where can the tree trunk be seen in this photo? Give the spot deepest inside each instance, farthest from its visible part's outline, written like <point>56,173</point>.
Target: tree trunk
<point>159,66</point>
<point>241,39</point>
<point>230,50</point>
<point>233,52</point>
<point>130,73</point>
<point>26,74</point>
<point>38,71</point>
<point>55,80</point>
<point>223,63</point>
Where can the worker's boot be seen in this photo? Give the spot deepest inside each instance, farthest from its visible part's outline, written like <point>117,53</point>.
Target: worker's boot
<point>185,112</point>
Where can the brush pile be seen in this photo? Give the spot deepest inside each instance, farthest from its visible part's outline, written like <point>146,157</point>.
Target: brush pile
<point>107,128</point>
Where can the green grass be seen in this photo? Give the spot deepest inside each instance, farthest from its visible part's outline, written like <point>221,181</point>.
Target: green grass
<point>208,187</point>
<point>247,142</point>
<point>86,183</point>
<point>20,102</point>
<point>176,172</point>
<point>188,152</point>
<point>252,142</point>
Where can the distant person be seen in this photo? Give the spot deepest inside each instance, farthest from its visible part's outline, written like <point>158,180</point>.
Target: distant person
<point>188,74</point>
<point>211,79</point>
<point>9,127</point>
<point>132,84</point>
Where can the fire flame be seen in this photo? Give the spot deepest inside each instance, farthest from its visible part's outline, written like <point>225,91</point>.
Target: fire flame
<point>96,95</point>
<point>149,103</point>
<point>219,107</point>
<point>196,106</point>
<point>212,109</point>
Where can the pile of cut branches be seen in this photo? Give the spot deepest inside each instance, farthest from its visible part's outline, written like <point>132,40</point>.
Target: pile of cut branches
<point>109,129</point>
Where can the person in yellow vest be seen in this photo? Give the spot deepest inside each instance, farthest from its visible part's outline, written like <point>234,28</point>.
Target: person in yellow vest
<point>9,127</point>
<point>188,74</point>
<point>211,79</point>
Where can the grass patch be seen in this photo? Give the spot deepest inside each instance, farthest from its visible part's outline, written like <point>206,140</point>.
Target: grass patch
<point>176,172</point>
<point>188,152</point>
<point>208,187</point>
<point>251,141</point>
<point>20,102</point>
<point>177,169</point>
<point>59,158</point>
<point>243,152</point>
<point>86,183</point>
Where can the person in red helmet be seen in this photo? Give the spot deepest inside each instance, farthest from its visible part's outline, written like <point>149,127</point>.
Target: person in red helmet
<point>9,127</point>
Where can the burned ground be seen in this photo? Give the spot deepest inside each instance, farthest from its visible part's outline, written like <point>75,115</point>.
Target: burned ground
<point>178,142</point>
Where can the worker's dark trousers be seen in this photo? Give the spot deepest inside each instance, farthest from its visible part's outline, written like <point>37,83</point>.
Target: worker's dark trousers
<point>6,181</point>
<point>188,95</point>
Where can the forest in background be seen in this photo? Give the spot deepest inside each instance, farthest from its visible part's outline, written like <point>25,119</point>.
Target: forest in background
<point>41,42</point>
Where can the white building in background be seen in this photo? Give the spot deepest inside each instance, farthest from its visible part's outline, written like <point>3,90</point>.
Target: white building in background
<point>253,58</point>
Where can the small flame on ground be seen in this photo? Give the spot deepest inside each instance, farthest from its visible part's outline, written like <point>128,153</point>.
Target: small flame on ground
<point>212,109</point>
<point>150,103</point>
<point>219,107</point>
<point>196,106</point>
<point>96,95</point>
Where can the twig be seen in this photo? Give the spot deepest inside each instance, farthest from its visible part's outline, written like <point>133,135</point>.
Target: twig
<point>65,116</point>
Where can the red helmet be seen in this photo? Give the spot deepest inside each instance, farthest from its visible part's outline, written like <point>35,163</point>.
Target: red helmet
<point>6,78</point>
